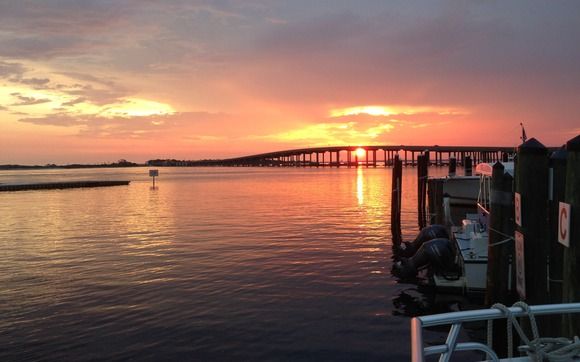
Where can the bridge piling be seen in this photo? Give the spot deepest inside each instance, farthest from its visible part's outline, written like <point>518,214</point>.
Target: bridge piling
<point>316,156</point>
<point>367,158</point>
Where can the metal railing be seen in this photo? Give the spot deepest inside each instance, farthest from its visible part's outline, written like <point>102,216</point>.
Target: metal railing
<point>456,320</point>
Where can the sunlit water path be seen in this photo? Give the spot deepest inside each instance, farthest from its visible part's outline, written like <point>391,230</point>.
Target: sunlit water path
<point>214,264</point>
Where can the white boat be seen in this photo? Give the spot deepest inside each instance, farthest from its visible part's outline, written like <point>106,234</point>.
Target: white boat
<point>456,194</point>
<point>472,237</point>
<point>537,348</point>
<point>455,261</point>
<point>461,190</point>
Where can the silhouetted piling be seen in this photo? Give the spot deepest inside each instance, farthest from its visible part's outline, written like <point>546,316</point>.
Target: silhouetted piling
<point>571,272</point>
<point>422,174</point>
<point>468,166</point>
<point>501,228</point>
<point>556,193</point>
<point>532,185</point>
<point>500,272</point>
<point>396,186</point>
<point>435,197</point>
<point>452,167</point>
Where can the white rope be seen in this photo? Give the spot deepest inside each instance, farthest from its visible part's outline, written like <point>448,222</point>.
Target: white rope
<point>508,314</point>
<point>552,349</point>
<point>490,333</point>
<point>499,232</point>
<point>501,242</point>
<point>508,238</point>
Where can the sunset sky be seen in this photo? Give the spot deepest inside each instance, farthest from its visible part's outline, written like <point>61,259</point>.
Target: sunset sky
<point>97,81</point>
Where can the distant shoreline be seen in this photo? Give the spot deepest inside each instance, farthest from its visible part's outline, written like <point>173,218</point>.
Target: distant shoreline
<point>120,163</point>
<point>71,166</point>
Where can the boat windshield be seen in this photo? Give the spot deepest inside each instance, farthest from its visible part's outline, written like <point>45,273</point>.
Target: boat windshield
<point>485,171</point>
<point>483,198</point>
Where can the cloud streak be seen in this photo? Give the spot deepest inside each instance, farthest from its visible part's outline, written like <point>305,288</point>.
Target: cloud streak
<point>28,101</point>
<point>36,83</point>
<point>269,74</point>
<point>9,69</point>
<point>96,126</point>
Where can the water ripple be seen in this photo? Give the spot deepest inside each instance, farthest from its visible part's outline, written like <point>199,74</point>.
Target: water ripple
<point>215,264</point>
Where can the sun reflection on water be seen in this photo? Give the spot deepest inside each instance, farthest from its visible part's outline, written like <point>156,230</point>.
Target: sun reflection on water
<point>359,186</point>
<point>274,254</point>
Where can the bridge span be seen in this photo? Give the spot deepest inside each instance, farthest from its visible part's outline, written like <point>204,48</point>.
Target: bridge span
<point>368,156</point>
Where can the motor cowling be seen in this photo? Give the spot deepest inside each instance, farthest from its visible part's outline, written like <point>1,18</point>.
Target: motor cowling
<point>438,254</point>
<point>408,249</point>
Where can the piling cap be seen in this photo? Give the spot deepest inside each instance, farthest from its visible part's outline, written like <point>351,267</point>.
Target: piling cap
<point>498,165</point>
<point>532,146</point>
<point>559,154</point>
<point>574,144</point>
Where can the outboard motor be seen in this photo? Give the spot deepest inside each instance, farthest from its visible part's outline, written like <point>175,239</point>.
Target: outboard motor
<point>438,254</point>
<point>408,249</point>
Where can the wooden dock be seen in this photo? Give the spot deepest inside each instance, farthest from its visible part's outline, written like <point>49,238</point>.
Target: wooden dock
<point>60,185</point>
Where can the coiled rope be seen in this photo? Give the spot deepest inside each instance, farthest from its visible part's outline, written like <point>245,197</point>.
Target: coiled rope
<point>539,349</point>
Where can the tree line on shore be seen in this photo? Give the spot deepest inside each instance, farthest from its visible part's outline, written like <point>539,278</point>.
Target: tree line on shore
<point>119,163</point>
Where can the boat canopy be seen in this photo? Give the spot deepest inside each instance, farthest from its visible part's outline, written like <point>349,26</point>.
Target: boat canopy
<point>486,168</point>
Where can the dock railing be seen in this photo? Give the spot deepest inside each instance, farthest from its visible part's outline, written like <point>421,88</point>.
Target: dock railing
<point>456,320</point>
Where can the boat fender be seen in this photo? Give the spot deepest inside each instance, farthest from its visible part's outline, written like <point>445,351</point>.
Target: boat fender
<point>408,249</point>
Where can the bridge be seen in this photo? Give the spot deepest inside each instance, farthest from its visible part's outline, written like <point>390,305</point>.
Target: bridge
<point>367,156</point>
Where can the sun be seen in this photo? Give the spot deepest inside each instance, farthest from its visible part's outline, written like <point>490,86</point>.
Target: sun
<point>360,152</point>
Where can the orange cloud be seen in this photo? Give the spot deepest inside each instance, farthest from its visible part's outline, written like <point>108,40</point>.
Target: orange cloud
<point>380,110</point>
<point>331,134</point>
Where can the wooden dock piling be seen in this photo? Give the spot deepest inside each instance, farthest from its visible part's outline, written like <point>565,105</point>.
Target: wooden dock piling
<point>532,185</point>
<point>452,166</point>
<point>556,193</point>
<point>396,193</point>
<point>504,157</point>
<point>422,174</point>
<point>500,269</point>
<point>468,166</point>
<point>571,273</point>
<point>435,201</point>
<point>501,229</point>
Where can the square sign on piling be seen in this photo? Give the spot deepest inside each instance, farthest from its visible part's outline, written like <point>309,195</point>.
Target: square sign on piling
<point>153,173</point>
<point>520,268</point>
<point>564,224</point>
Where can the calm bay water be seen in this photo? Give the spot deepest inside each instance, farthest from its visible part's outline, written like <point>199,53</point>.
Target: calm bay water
<point>214,264</point>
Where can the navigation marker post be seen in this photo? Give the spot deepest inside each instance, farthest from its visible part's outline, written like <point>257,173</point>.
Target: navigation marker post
<point>153,173</point>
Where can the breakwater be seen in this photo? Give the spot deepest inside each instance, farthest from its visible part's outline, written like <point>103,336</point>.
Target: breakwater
<point>60,185</point>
